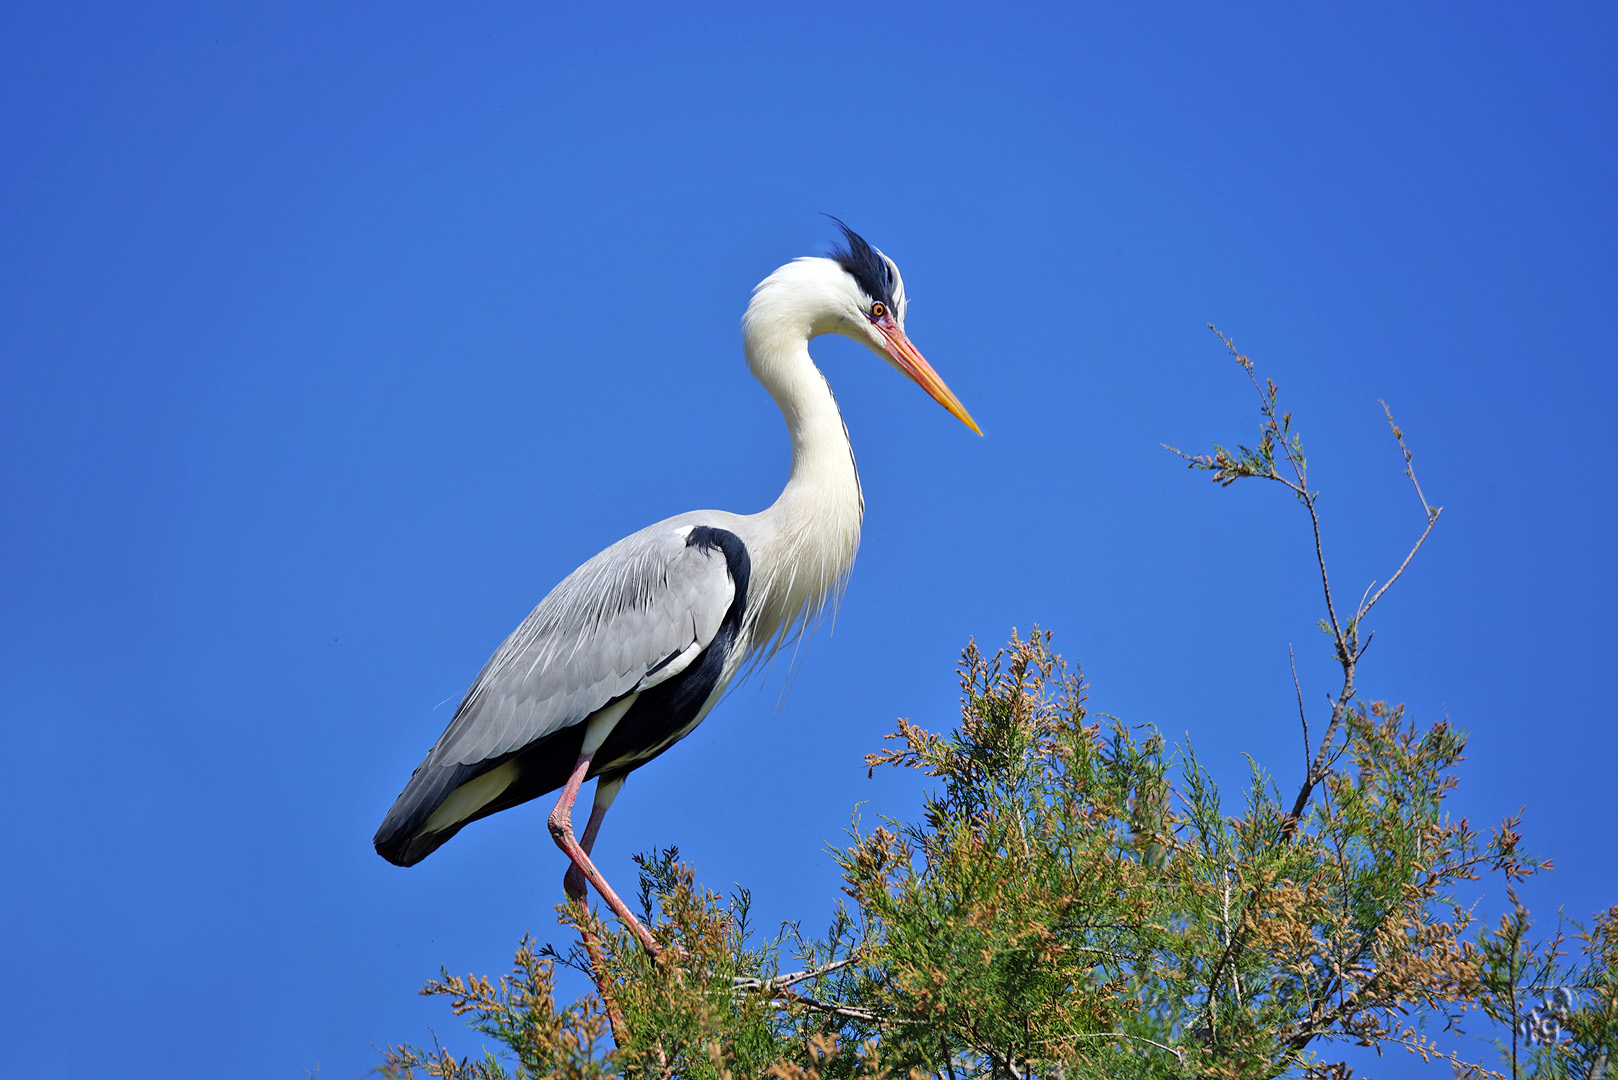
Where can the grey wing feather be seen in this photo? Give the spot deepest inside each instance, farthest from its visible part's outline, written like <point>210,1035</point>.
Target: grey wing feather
<point>596,637</point>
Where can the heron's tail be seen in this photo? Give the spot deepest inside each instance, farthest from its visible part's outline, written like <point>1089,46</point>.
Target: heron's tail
<point>424,815</point>
<point>441,798</point>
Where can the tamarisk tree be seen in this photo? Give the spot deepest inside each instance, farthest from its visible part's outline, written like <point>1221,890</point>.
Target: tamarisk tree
<point>1078,899</point>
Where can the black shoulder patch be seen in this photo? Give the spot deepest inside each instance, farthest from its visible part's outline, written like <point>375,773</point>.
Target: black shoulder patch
<point>737,562</point>
<point>864,265</point>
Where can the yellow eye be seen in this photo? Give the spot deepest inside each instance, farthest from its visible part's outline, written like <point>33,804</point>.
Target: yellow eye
<point>878,310</point>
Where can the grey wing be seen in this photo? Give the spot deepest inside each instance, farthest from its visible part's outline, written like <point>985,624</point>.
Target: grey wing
<point>619,623</point>
<point>630,618</point>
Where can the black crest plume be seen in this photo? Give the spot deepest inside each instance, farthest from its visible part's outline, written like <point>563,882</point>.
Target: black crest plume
<point>863,263</point>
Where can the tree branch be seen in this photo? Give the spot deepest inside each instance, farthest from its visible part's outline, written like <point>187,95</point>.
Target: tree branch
<point>1432,512</point>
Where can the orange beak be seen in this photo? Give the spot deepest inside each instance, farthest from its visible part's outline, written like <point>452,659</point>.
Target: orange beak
<point>910,362</point>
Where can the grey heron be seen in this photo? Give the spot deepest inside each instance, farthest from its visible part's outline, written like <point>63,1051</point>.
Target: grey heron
<point>629,653</point>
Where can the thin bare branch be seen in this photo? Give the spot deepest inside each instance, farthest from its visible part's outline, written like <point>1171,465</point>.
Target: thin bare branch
<point>1303,717</point>
<point>1432,512</point>
<point>785,998</point>
<point>1178,1052</point>
<point>782,982</point>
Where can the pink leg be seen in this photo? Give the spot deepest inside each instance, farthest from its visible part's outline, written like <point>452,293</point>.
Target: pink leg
<point>573,880</point>
<point>561,825</point>
<point>573,885</point>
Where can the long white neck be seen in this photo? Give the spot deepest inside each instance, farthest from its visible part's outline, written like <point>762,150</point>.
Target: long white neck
<point>804,543</point>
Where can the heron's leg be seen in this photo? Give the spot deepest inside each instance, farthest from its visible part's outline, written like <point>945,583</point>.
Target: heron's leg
<point>561,825</point>
<point>606,791</point>
<point>573,884</point>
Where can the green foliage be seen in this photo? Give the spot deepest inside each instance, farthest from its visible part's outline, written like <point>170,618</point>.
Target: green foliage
<point>1076,900</point>
<point>1071,902</point>
<point>1561,1016</point>
<point>688,1018</point>
<point>1032,885</point>
<point>519,1013</point>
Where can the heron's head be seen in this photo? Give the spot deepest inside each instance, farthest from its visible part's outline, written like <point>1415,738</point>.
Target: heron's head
<point>857,293</point>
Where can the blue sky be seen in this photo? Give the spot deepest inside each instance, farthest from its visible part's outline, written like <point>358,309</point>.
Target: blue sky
<point>332,337</point>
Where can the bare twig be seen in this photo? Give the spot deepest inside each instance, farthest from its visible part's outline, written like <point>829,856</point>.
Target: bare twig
<point>1349,647</point>
<point>782,982</point>
<point>1178,1052</point>
<point>831,1008</point>
<point>1432,512</point>
<point>1302,715</point>
<point>779,990</point>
